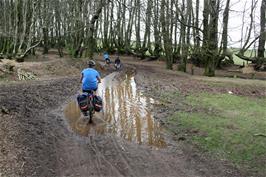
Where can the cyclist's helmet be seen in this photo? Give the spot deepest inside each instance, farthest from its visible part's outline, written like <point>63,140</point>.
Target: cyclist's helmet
<point>91,63</point>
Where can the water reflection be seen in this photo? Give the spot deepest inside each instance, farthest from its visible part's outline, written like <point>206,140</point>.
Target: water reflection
<point>125,114</point>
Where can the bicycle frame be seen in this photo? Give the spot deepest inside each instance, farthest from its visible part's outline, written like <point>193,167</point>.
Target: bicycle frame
<point>91,106</point>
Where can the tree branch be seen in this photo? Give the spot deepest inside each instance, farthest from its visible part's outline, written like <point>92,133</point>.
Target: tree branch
<point>27,51</point>
<point>190,26</point>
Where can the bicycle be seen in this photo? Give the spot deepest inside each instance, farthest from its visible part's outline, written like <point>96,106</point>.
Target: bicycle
<point>85,101</point>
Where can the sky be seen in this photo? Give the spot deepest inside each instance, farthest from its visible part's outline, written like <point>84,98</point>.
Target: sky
<point>235,20</point>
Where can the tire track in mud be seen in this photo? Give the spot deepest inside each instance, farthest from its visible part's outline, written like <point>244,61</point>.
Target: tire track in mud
<point>123,156</point>
<point>98,163</point>
<point>100,155</point>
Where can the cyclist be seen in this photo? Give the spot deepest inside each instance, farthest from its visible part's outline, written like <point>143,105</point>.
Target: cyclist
<point>117,62</point>
<point>106,57</point>
<point>90,78</point>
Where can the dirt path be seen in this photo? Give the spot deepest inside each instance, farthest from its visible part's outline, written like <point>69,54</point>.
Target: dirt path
<point>36,139</point>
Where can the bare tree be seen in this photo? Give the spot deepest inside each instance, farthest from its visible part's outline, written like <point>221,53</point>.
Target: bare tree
<point>151,28</point>
<point>259,60</point>
<point>262,38</point>
<point>166,35</point>
<point>225,35</point>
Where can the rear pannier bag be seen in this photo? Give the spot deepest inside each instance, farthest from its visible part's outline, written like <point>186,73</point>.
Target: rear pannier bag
<point>83,101</point>
<point>97,103</point>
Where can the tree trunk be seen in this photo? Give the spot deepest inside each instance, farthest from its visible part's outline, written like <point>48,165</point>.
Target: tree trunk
<point>94,18</point>
<point>45,40</point>
<point>128,34</point>
<point>45,28</point>
<point>212,50</point>
<point>206,13</point>
<point>166,38</point>
<point>197,36</point>
<point>137,26</point>
<point>261,47</point>
<point>15,38</point>
<point>225,33</point>
<point>183,44</point>
<point>157,38</point>
<point>58,22</point>
<point>147,28</point>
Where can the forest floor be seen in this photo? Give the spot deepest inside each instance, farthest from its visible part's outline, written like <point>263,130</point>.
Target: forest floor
<point>36,139</point>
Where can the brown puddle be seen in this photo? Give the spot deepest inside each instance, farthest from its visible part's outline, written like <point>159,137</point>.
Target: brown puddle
<point>125,114</point>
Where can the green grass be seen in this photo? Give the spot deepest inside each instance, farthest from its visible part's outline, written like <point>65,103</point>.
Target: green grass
<point>227,126</point>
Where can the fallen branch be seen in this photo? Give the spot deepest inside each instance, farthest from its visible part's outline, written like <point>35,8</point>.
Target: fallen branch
<point>245,58</point>
<point>27,51</point>
<point>151,58</point>
<point>23,75</point>
<point>260,134</point>
<point>240,54</point>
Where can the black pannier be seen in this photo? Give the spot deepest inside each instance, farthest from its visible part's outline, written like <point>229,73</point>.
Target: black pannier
<point>97,103</point>
<point>83,101</point>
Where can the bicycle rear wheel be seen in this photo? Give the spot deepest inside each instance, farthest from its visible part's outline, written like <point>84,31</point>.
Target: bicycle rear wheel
<point>91,115</point>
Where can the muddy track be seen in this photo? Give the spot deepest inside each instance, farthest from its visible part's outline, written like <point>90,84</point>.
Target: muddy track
<point>31,140</point>
<point>37,141</point>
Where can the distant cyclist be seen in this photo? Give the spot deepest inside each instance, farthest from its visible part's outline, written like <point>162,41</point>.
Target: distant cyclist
<point>90,78</point>
<point>117,63</point>
<point>106,58</point>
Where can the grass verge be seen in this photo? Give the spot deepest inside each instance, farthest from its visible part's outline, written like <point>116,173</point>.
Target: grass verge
<point>227,126</point>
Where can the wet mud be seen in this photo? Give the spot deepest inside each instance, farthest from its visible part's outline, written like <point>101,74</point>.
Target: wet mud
<point>43,133</point>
